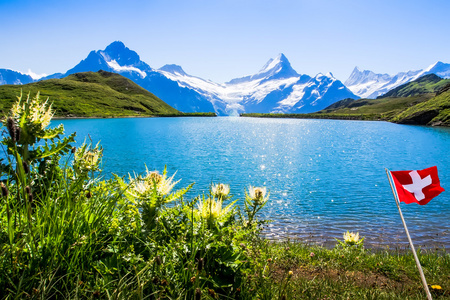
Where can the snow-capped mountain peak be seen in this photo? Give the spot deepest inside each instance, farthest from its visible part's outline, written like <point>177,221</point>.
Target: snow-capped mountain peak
<point>439,68</point>
<point>279,66</point>
<point>119,52</point>
<point>278,62</point>
<point>115,58</point>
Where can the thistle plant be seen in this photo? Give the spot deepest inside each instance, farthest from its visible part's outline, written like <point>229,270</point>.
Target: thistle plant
<point>150,193</point>
<point>220,191</point>
<point>87,159</point>
<point>255,199</point>
<point>27,124</point>
<point>351,240</point>
<point>212,211</point>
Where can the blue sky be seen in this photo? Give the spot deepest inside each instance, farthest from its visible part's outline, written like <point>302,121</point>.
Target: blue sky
<point>225,39</point>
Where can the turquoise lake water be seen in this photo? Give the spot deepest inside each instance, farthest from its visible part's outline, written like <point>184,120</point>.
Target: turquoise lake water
<point>325,176</point>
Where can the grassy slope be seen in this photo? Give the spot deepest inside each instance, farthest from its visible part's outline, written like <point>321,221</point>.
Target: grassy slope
<point>426,84</point>
<point>435,111</point>
<point>90,94</point>
<point>383,109</point>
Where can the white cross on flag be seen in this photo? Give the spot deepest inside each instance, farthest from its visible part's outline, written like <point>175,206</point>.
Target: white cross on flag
<point>417,186</point>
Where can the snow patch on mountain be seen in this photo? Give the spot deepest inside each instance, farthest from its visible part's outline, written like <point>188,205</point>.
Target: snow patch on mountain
<point>118,68</point>
<point>298,91</point>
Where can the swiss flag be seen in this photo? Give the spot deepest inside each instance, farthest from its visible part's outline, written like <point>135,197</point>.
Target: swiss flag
<point>417,186</point>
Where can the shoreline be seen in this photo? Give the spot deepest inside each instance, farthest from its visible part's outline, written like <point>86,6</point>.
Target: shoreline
<point>315,116</point>
<point>201,115</point>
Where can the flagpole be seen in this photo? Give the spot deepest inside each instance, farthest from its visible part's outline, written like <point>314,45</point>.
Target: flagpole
<point>424,281</point>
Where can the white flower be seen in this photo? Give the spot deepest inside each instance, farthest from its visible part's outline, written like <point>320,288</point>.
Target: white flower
<point>142,186</point>
<point>37,113</point>
<point>220,190</point>
<point>351,238</point>
<point>86,159</point>
<point>258,194</point>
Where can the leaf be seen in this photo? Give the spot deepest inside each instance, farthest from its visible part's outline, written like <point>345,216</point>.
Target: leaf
<point>51,133</point>
<point>178,194</point>
<point>60,147</point>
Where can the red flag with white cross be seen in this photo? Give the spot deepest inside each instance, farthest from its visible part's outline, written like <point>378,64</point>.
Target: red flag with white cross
<point>418,186</point>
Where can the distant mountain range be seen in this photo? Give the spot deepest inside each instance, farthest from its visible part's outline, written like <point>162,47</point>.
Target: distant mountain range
<point>276,88</point>
<point>367,84</point>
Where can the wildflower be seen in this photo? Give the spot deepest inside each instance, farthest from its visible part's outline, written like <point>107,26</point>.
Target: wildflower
<point>87,159</point>
<point>154,177</point>
<point>163,184</point>
<point>114,224</point>
<point>290,273</point>
<point>436,287</point>
<point>351,238</point>
<point>220,190</point>
<point>312,254</point>
<point>258,195</point>
<point>212,210</point>
<point>34,115</point>
<point>141,187</point>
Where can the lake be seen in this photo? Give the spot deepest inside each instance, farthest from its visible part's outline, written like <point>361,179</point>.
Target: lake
<point>325,176</point>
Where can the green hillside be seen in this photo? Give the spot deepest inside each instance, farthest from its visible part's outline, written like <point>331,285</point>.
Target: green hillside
<point>89,94</point>
<point>435,111</point>
<point>376,109</point>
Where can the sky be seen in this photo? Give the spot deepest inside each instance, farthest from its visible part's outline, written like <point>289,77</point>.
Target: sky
<point>225,39</point>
